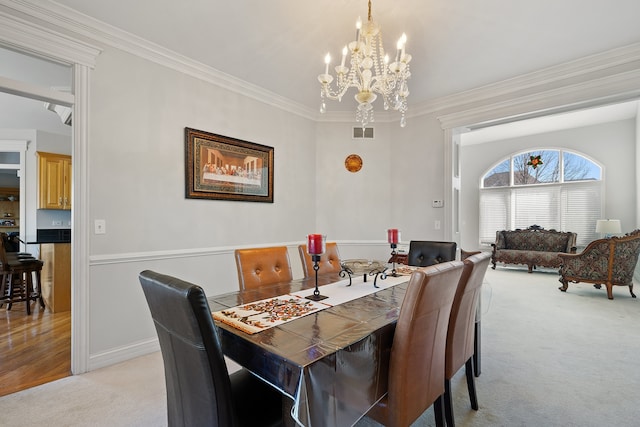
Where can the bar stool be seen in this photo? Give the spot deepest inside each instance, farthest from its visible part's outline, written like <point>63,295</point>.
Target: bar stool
<point>17,279</point>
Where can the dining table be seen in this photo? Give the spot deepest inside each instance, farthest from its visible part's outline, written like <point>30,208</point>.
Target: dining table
<point>332,363</point>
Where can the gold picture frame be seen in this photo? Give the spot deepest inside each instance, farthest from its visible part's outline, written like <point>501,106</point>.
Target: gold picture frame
<point>223,168</point>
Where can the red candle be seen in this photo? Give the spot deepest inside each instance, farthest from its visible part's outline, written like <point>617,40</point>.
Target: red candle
<point>315,244</point>
<point>393,235</point>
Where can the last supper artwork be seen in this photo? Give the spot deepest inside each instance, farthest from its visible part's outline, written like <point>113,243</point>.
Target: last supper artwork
<point>229,167</point>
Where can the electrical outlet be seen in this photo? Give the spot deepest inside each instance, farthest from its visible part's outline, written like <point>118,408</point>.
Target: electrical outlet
<point>437,203</point>
<point>100,226</point>
<point>57,223</point>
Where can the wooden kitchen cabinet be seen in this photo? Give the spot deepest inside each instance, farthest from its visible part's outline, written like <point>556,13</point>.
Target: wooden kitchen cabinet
<point>56,276</point>
<point>54,181</point>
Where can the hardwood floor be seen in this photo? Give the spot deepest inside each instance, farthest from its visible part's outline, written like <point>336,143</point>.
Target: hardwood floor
<point>34,349</point>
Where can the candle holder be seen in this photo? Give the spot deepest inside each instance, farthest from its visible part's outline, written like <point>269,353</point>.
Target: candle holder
<point>393,237</point>
<point>393,260</point>
<point>316,293</point>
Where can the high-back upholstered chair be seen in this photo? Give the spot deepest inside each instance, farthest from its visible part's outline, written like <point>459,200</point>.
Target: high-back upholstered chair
<point>460,335</point>
<point>609,261</point>
<point>423,253</point>
<point>262,266</point>
<point>200,391</point>
<point>416,364</point>
<point>329,261</point>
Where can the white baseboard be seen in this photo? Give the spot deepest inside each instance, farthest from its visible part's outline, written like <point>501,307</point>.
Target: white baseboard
<point>117,355</point>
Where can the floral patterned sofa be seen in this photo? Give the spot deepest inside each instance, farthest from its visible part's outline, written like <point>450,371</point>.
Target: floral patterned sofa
<point>608,262</point>
<point>532,247</point>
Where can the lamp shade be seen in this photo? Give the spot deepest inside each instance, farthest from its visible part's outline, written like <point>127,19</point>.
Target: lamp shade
<point>608,226</point>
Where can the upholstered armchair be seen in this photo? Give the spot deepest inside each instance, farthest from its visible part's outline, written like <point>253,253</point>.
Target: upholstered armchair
<point>610,261</point>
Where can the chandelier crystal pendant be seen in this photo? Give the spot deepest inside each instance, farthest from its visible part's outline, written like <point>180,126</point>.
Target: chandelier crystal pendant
<point>370,73</point>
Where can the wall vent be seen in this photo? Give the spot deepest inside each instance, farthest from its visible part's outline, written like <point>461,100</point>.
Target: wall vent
<point>362,133</point>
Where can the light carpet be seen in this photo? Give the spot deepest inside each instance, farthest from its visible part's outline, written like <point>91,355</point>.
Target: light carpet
<point>548,359</point>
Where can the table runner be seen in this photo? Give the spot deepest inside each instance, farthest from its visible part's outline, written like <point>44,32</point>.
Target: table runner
<point>265,314</point>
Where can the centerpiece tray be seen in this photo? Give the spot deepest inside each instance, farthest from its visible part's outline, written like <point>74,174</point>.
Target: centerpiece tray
<point>364,267</point>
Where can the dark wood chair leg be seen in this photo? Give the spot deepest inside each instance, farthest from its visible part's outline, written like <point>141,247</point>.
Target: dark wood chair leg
<point>10,294</point>
<point>471,383</point>
<point>28,289</point>
<point>438,408</point>
<point>448,404</point>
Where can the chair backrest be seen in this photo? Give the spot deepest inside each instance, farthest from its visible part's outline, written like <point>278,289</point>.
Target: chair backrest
<point>3,252</point>
<point>460,335</point>
<point>262,266</point>
<point>625,257</point>
<point>416,365</point>
<point>197,380</point>
<point>423,253</point>
<point>329,261</point>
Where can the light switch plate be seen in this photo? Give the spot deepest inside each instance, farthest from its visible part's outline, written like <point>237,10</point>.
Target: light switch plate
<point>100,226</point>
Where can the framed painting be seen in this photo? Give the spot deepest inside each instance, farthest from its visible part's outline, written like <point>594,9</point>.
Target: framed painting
<point>222,168</point>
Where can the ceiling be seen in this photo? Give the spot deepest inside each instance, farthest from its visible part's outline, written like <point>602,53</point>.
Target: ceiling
<point>279,45</point>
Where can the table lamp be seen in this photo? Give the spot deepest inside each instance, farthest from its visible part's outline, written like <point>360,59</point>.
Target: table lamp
<point>608,227</point>
<point>316,245</point>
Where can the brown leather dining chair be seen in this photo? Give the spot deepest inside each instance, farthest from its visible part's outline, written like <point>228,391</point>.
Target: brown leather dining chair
<point>417,361</point>
<point>200,391</point>
<point>329,261</point>
<point>461,331</point>
<point>262,266</point>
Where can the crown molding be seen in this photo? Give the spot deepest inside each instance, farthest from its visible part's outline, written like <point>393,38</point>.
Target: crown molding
<point>604,64</point>
<point>615,88</point>
<point>350,117</point>
<point>22,34</point>
<point>87,27</point>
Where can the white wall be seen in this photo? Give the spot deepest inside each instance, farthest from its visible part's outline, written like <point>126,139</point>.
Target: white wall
<point>417,178</point>
<point>352,205</point>
<point>136,168</point>
<point>610,144</point>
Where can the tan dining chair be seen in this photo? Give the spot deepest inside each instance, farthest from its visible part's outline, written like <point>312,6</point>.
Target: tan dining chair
<point>200,391</point>
<point>329,261</point>
<point>461,331</point>
<point>262,266</point>
<point>417,360</point>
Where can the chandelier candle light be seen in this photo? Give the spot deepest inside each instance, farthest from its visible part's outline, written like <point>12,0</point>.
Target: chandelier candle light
<point>370,72</point>
<point>315,248</point>
<point>393,237</point>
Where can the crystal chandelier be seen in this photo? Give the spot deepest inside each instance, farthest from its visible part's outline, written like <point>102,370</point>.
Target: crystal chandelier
<point>370,73</point>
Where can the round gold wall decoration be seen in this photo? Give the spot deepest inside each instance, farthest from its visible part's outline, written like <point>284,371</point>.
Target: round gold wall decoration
<point>353,163</point>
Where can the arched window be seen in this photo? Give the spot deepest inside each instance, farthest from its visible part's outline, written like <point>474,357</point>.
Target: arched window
<point>555,189</point>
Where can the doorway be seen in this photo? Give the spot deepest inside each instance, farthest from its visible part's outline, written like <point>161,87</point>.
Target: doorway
<point>39,344</point>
